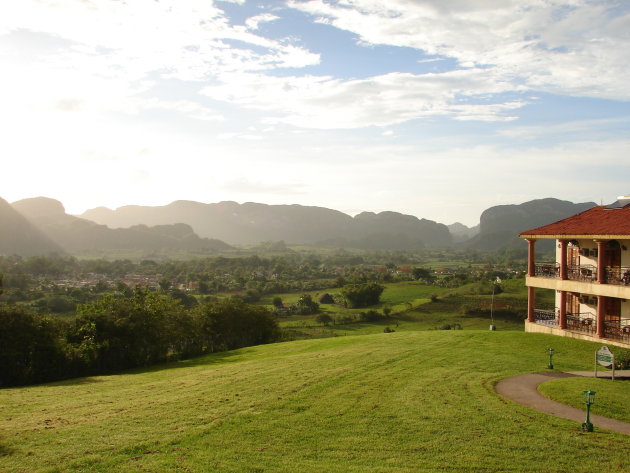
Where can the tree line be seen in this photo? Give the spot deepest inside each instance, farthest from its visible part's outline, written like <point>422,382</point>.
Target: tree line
<point>116,333</point>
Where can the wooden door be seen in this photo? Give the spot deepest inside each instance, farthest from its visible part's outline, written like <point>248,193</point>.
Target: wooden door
<point>573,303</point>
<point>573,255</point>
<point>612,262</point>
<point>612,254</point>
<point>613,310</point>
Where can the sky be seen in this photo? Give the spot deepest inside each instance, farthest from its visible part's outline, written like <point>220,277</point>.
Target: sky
<point>434,108</point>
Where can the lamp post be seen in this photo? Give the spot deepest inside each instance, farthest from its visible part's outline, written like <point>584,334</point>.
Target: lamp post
<point>589,399</point>
<point>550,351</point>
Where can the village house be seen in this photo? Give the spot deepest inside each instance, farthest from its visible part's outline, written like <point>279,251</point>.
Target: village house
<point>590,275</point>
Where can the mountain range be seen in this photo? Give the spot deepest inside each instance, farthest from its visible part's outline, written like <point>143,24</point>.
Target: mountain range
<point>67,233</point>
<point>250,223</point>
<point>41,225</point>
<point>500,225</point>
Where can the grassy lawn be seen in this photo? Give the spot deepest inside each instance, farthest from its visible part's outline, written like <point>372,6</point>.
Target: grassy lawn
<point>397,402</point>
<point>611,399</point>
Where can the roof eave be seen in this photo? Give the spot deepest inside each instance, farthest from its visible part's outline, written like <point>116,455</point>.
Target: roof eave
<point>582,236</point>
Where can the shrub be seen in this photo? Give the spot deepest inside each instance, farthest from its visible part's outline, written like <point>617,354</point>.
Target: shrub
<point>454,326</point>
<point>370,316</point>
<point>622,358</point>
<point>324,319</point>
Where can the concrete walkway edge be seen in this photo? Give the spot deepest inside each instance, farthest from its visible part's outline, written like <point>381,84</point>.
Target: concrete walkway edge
<point>524,390</point>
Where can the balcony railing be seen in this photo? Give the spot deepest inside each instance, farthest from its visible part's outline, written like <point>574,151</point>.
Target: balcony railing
<point>617,330</point>
<point>546,317</point>
<point>586,323</point>
<point>618,275</point>
<point>586,272</point>
<point>547,270</point>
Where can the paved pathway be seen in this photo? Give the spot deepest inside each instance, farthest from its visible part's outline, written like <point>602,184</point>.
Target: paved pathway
<point>523,389</point>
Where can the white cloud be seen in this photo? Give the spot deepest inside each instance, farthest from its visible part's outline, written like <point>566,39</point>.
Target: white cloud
<point>593,128</point>
<point>108,53</point>
<point>578,47</point>
<point>327,103</point>
<point>254,22</point>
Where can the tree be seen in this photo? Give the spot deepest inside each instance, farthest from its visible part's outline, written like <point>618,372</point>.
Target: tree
<point>277,302</point>
<point>164,284</point>
<point>306,305</point>
<point>128,332</point>
<point>124,289</point>
<point>31,347</point>
<point>422,274</point>
<point>231,323</point>
<point>362,295</point>
<point>204,287</point>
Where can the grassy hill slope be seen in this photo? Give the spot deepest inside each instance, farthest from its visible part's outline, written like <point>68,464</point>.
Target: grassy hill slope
<point>397,402</point>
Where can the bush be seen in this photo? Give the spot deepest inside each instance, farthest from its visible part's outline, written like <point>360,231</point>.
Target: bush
<point>324,319</point>
<point>622,358</point>
<point>454,326</point>
<point>370,316</point>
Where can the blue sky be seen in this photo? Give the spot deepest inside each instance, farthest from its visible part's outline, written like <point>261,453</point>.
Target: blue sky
<point>435,108</point>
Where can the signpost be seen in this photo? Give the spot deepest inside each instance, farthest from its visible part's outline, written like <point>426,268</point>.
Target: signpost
<point>604,357</point>
<point>494,286</point>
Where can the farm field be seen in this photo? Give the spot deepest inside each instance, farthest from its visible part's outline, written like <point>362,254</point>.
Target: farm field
<point>388,402</point>
<point>411,309</point>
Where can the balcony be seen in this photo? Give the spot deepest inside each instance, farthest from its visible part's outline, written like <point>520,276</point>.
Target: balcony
<point>547,270</point>
<point>617,330</point>
<point>618,275</point>
<point>584,323</point>
<point>586,273</point>
<point>546,317</point>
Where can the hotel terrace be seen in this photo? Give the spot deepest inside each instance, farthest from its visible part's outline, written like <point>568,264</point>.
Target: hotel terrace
<point>591,276</point>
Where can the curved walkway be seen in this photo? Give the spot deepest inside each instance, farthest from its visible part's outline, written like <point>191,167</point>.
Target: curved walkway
<point>523,389</point>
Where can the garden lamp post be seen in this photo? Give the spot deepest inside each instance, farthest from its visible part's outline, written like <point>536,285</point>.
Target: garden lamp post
<point>589,399</point>
<point>550,351</point>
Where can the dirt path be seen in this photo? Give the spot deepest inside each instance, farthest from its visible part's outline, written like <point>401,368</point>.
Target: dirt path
<point>523,389</point>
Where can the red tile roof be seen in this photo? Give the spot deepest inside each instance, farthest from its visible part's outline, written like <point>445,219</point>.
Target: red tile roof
<point>598,221</point>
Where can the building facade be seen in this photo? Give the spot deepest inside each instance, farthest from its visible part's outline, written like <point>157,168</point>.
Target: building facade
<point>590,276</point>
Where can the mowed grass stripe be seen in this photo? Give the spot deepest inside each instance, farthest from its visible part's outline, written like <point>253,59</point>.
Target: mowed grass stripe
<point>399,402</point>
